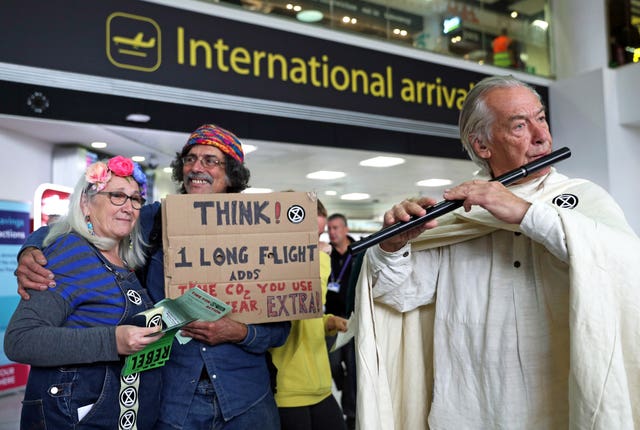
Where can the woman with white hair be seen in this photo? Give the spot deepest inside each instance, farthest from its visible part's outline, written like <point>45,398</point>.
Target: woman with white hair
<point>75,335</point>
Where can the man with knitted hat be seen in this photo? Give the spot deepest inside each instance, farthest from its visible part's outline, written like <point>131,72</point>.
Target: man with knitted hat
<point>221,379</point>
<point>212,160</point>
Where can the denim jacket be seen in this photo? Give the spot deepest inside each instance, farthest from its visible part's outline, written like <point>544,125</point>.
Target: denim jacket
<point>238,371</point>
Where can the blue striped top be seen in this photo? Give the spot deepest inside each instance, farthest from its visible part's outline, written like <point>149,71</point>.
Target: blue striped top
<point>92,296</point>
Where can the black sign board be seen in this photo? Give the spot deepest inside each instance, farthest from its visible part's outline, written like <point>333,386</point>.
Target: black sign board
<point>156,44</point>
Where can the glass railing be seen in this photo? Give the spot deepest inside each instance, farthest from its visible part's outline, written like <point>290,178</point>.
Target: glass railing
<point>507,33</point>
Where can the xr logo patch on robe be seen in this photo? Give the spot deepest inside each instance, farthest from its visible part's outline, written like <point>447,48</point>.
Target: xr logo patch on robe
<point>566,201</point>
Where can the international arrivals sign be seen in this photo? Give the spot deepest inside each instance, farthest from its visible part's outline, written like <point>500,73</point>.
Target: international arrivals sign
<point>152,43</point>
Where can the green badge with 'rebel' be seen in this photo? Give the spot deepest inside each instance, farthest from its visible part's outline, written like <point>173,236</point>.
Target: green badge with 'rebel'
<point>153,355</point>
<point>172,314</point>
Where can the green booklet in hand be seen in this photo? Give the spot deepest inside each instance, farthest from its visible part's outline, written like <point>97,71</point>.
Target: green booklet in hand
<point>193,305</point>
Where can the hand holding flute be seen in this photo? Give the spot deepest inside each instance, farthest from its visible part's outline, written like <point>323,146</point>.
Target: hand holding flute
<point>409,218</point>
<point>493,196</point>
<point>404,212</point>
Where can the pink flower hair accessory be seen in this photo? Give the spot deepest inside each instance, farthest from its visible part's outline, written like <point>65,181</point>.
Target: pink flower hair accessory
<point>99,174</point>
<point>121,166</point>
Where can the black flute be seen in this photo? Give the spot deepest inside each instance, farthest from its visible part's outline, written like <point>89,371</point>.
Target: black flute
<point>446,206</point>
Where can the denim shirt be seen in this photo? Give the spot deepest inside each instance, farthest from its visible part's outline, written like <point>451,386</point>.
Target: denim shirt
<point>238,371</point>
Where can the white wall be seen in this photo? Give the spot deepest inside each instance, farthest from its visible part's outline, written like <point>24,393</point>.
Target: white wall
<point>578,122</point>
<point>627,92</point>
<point>623,140</point>
<point>590,102</point>
<point>580,36</point>
<point>25,163</point>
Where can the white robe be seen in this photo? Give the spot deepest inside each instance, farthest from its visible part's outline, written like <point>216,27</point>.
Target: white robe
<point>395,350</point>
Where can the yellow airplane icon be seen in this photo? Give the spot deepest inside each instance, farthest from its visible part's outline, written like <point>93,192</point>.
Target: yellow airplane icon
<point>133,42</point>
<point>136,43</point>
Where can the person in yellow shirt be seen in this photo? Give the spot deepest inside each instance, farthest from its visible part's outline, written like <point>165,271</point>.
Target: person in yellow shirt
<point>303,383</point>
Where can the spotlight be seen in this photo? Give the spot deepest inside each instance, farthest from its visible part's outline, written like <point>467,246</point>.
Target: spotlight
<point>138,117</point>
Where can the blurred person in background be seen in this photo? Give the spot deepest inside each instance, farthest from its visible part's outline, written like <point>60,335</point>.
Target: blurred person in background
<point>503,52</point>
<point>343,362</point>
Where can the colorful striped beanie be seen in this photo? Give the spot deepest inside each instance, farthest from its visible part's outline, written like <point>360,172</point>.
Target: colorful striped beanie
<point>222,139</point>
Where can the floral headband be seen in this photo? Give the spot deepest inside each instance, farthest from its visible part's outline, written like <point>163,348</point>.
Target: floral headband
<point>99,173</point>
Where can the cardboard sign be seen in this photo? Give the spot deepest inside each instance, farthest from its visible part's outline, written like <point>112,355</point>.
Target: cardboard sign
<point>256,252</point>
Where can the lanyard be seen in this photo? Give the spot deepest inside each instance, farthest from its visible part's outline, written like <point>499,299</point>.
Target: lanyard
<point>344,267</point>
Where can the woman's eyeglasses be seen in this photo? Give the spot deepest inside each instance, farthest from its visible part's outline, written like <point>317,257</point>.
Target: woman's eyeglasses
<point>118,198</point>
<point>208,161</point>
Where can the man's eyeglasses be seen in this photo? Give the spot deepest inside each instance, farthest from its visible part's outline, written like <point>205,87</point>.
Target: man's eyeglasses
<point>208,161</point>
<point>118,198</point>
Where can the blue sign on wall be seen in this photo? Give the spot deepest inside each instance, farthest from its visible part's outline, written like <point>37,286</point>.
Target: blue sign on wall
<point>14,228</point>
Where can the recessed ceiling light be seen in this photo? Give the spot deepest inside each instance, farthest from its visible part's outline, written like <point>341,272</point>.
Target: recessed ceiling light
<point>326,174</point>
<point>99,145</point>
<point>138,117</point>
<point>330,193</point>
<point>138,158</point>
<point>355,196</point>
<point>247,148</point>
<point>309,16</point>
<point>254,190</point>
<point>382,161</point>
<point>434,182</point>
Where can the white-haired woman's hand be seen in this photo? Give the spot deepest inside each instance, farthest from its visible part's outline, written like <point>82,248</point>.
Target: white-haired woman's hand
<point>131,338</point>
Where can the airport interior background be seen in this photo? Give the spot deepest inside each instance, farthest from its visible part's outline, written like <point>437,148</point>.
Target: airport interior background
<point>357,181</point>
<point>459,30</point>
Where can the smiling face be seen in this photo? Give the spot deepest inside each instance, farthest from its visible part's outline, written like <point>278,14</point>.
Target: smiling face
<point>520,133</point>
<point>199,179</point>
<point>109,220</point>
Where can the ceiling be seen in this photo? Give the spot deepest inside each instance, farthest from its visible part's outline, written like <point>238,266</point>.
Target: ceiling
<point>276,165</point>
